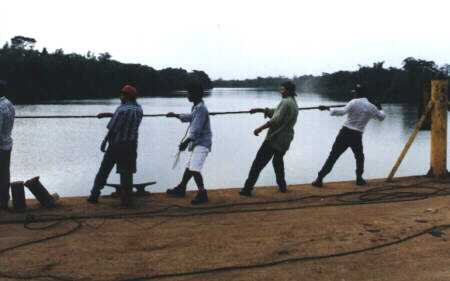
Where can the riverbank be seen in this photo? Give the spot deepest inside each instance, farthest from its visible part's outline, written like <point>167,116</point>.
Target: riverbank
<point>271,236</point>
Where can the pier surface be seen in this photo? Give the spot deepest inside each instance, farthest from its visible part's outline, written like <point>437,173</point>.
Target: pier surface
<point>305,234</point>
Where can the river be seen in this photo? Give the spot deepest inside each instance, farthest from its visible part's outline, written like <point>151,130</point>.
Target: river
<point>65,152</point>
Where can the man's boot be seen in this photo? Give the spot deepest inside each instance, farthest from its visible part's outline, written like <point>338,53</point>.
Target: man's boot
<point>201,197</point>
<point>93,198</point>
<point>125,197</point>
<point>246,191</point>
<point>177,191</point>
<point>318,182</point>
<point>282,189</point>
<point>360,180</point>
<point>96,190</point>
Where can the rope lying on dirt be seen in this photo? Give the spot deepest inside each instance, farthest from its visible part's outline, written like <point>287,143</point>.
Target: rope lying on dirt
<point>379,195</point>
<point>432,230</point>
<point>155,115</point>
<point>389,193</point>
<point>27,224</point>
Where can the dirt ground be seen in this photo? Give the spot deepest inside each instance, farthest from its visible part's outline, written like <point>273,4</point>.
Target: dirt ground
<point>305,234</point>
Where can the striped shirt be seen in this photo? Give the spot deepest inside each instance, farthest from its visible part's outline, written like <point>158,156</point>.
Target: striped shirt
<point>7,114</point>
<point>125,122</point>
<point>200,127</point>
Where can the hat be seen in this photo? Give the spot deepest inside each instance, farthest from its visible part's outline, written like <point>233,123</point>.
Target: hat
<point>129,90</point>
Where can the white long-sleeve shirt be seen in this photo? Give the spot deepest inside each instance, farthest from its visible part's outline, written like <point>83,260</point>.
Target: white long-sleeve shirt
<point>359,112</point>
<point>7,114</point>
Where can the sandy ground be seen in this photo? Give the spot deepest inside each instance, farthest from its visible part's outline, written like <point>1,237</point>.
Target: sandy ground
<point>161,236</point>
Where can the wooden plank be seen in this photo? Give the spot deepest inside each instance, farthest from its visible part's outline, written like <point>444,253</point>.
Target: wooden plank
<point>410,140</point>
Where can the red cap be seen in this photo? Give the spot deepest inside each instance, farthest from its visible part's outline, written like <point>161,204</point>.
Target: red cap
<point>129,90</point>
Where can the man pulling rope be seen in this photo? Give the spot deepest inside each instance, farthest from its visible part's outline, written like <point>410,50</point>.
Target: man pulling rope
<point>198,142</point>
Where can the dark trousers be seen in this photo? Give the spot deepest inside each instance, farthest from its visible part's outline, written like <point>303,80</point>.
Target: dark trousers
<point>5,176</point>
<point>264,155</point>
<point>345,139</point>
<point>126,171</point>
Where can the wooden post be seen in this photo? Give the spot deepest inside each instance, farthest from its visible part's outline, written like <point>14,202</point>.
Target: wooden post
<point>439,129</point>
<point>411,139</point>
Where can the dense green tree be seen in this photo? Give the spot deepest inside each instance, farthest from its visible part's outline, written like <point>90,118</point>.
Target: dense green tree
<point>22,42</point>
<point>35,76</point>
<point>395,84</point>
<point>104,56</point>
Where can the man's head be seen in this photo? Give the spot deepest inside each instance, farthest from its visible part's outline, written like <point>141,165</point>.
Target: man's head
<point>288,89</point>
<point>359,91</point>
<point>3,86</point>
<point>195,92</point>
<point>129,93</point>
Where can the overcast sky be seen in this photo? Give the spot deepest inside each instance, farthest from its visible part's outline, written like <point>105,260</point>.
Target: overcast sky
<point>238,39</point>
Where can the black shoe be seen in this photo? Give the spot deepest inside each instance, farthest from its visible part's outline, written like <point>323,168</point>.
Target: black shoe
<point>92,199</point>
<point>176,192</point>
<point>126,199</point>
<point>317,183</point>
<point>126,203</point>
<point>360,181</point>
<point>245,192</point>
<point>201,197</point>
<point>282,189</point>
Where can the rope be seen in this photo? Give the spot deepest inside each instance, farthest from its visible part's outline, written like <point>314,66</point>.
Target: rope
<point>30,220</point>
<point>431,230</point>
<point>378,195</point>
<point>155,115</point>
<point>381,194</point>
<point>177,156</point>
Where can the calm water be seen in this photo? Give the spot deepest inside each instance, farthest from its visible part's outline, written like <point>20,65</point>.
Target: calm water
<point>65,152</point>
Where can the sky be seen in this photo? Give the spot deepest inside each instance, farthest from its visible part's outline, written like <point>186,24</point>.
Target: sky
<point>238,39</point>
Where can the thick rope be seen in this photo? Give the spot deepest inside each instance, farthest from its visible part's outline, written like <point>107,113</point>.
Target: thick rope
<point>154,115</point>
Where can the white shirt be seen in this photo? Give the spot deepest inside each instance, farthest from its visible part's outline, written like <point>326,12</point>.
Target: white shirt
<point>359,112</point>
<point>7,114</point>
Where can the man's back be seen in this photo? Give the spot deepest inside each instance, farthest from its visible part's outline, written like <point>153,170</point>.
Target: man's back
<point>359,112</point>
<point>125,122</point>
<point>7,114</point>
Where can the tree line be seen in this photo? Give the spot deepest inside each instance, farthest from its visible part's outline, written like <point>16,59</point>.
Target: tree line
<point>37,76</point>
<point>406,84</point>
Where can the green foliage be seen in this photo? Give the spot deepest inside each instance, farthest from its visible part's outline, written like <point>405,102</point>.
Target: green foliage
<point>22,42</point>
<point>259,82</point>
<point>406,84</point>
<point>35,76</point>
